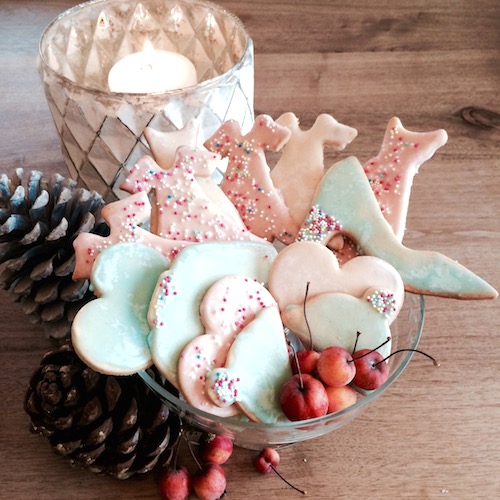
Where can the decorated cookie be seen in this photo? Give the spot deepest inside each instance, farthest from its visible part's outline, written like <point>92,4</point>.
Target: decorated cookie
<point>182,210</point>
<point>344,201</point>
<point>110,333</point>
<point>391,172</point>
<point>164,145</point>
<point>248,183</point>
<point>335,319</point>
<point>174,312</point>
<point>257,366</point>
<point>300,166</point>
<point>227,308</point>
<point>309,262</point>
<point>124,218</point>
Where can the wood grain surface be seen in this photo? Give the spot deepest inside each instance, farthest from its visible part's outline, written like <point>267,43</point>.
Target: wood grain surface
<point>434,434</point>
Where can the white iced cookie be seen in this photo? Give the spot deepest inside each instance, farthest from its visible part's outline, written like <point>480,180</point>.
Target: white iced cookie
<point>300,166</point>
<point>307,261</point>
<point>257,366</point>
<point>110,333</point>
<point>174,311</point>
<point>229,305</point>
<point>335,319</point>
<point>344,202</point>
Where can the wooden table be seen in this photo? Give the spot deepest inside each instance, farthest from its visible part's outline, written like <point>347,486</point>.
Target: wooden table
<point>434,434</point>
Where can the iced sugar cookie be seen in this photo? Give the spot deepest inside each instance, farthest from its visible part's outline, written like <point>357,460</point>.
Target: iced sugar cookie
<point>229,305</point>
<point>248,183</point>
<point>257,366</point>
<point>174,312</point>
<point>182,210</point>
<point>110,333</point>
<point>391,172</point>
<point>345,200</point>
<point>306,261</point>
<point>300,166</point>
<point>124,218</point>
<point>335,319</point>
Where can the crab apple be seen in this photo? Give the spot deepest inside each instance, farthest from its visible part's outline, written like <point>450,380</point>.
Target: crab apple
<point>266,460</point>
<point>215,449</point>
<point>371,369</point>
<point>175,484</point>
<point>340,398</point>
<point>335,367</point>
<point>303,397</point>
<point>307,361</point>
<point>210,482</point>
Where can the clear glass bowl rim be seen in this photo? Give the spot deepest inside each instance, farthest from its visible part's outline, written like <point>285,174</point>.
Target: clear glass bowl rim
<point>186,408</point>
<point>204,85</point>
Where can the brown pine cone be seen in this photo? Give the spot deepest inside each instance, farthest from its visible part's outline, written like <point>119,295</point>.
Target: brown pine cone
<point>39,220</point>
<point>108,424</point>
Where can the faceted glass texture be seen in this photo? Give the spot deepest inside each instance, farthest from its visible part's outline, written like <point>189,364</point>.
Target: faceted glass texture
<point>101,132</point>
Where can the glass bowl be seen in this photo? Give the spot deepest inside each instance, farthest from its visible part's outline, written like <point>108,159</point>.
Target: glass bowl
<point>406,332</point>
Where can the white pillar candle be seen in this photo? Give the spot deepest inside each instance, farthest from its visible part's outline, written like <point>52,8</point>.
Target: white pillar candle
<point>152,71</point>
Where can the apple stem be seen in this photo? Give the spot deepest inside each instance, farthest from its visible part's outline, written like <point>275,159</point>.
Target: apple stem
<point>287,482</point>
<point>372,350</point>
<point>356,342</point>
<point>436,363</point>
<point>193,454</point>
<point>296,359</point>
<point>305,317</point>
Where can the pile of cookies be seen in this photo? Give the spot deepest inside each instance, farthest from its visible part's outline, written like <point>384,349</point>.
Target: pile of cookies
<point>207,291</point>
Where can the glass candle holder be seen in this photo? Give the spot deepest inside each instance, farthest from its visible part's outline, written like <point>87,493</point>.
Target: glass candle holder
<point>102,132</point>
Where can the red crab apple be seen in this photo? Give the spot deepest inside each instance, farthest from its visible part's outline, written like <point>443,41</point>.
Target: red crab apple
<point>175,484</point>
<point>340,398</point>
<point>302,397</point>
<point>267,460</point>
<point>210,482</point>
<point>371,369</point>
<point>307,360</point>
<point>215,449</point>
<point>335,367</point>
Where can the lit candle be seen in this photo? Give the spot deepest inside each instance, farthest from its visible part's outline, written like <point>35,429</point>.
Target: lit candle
<point>152,71</point>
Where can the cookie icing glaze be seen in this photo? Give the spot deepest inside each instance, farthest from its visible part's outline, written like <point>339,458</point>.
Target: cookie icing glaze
<point>300,167</point>
<point>257,366</point>
<point>391,172</point>
<point>310,262</point>
<point>336,317</point>
<point>174,311</point>
<point>345,196</point>
<point>182,210</point>
<point>124,218</point>
<point>110,333</point>
<point>248,183</point>
<point>229,305</point>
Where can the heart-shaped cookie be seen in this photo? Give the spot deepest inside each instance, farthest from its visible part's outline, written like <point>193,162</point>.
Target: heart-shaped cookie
<point>335,319</point>
<point>310,262</point>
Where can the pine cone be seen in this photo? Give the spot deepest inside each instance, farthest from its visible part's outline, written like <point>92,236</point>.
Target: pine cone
<point>107,424</point>
<point>38,222</point>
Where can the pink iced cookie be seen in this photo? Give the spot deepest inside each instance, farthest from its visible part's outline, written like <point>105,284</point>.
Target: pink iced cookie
<point>391,172</point>
<point>300,167</point>
<point>306,261</point>
<point>124,218</point>
<point>227,308</point>
<point>248,183</point>
<point>257,366</point>
<point>182,209</point>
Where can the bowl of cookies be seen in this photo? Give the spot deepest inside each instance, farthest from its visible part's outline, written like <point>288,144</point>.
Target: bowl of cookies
<point>277,304</point>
